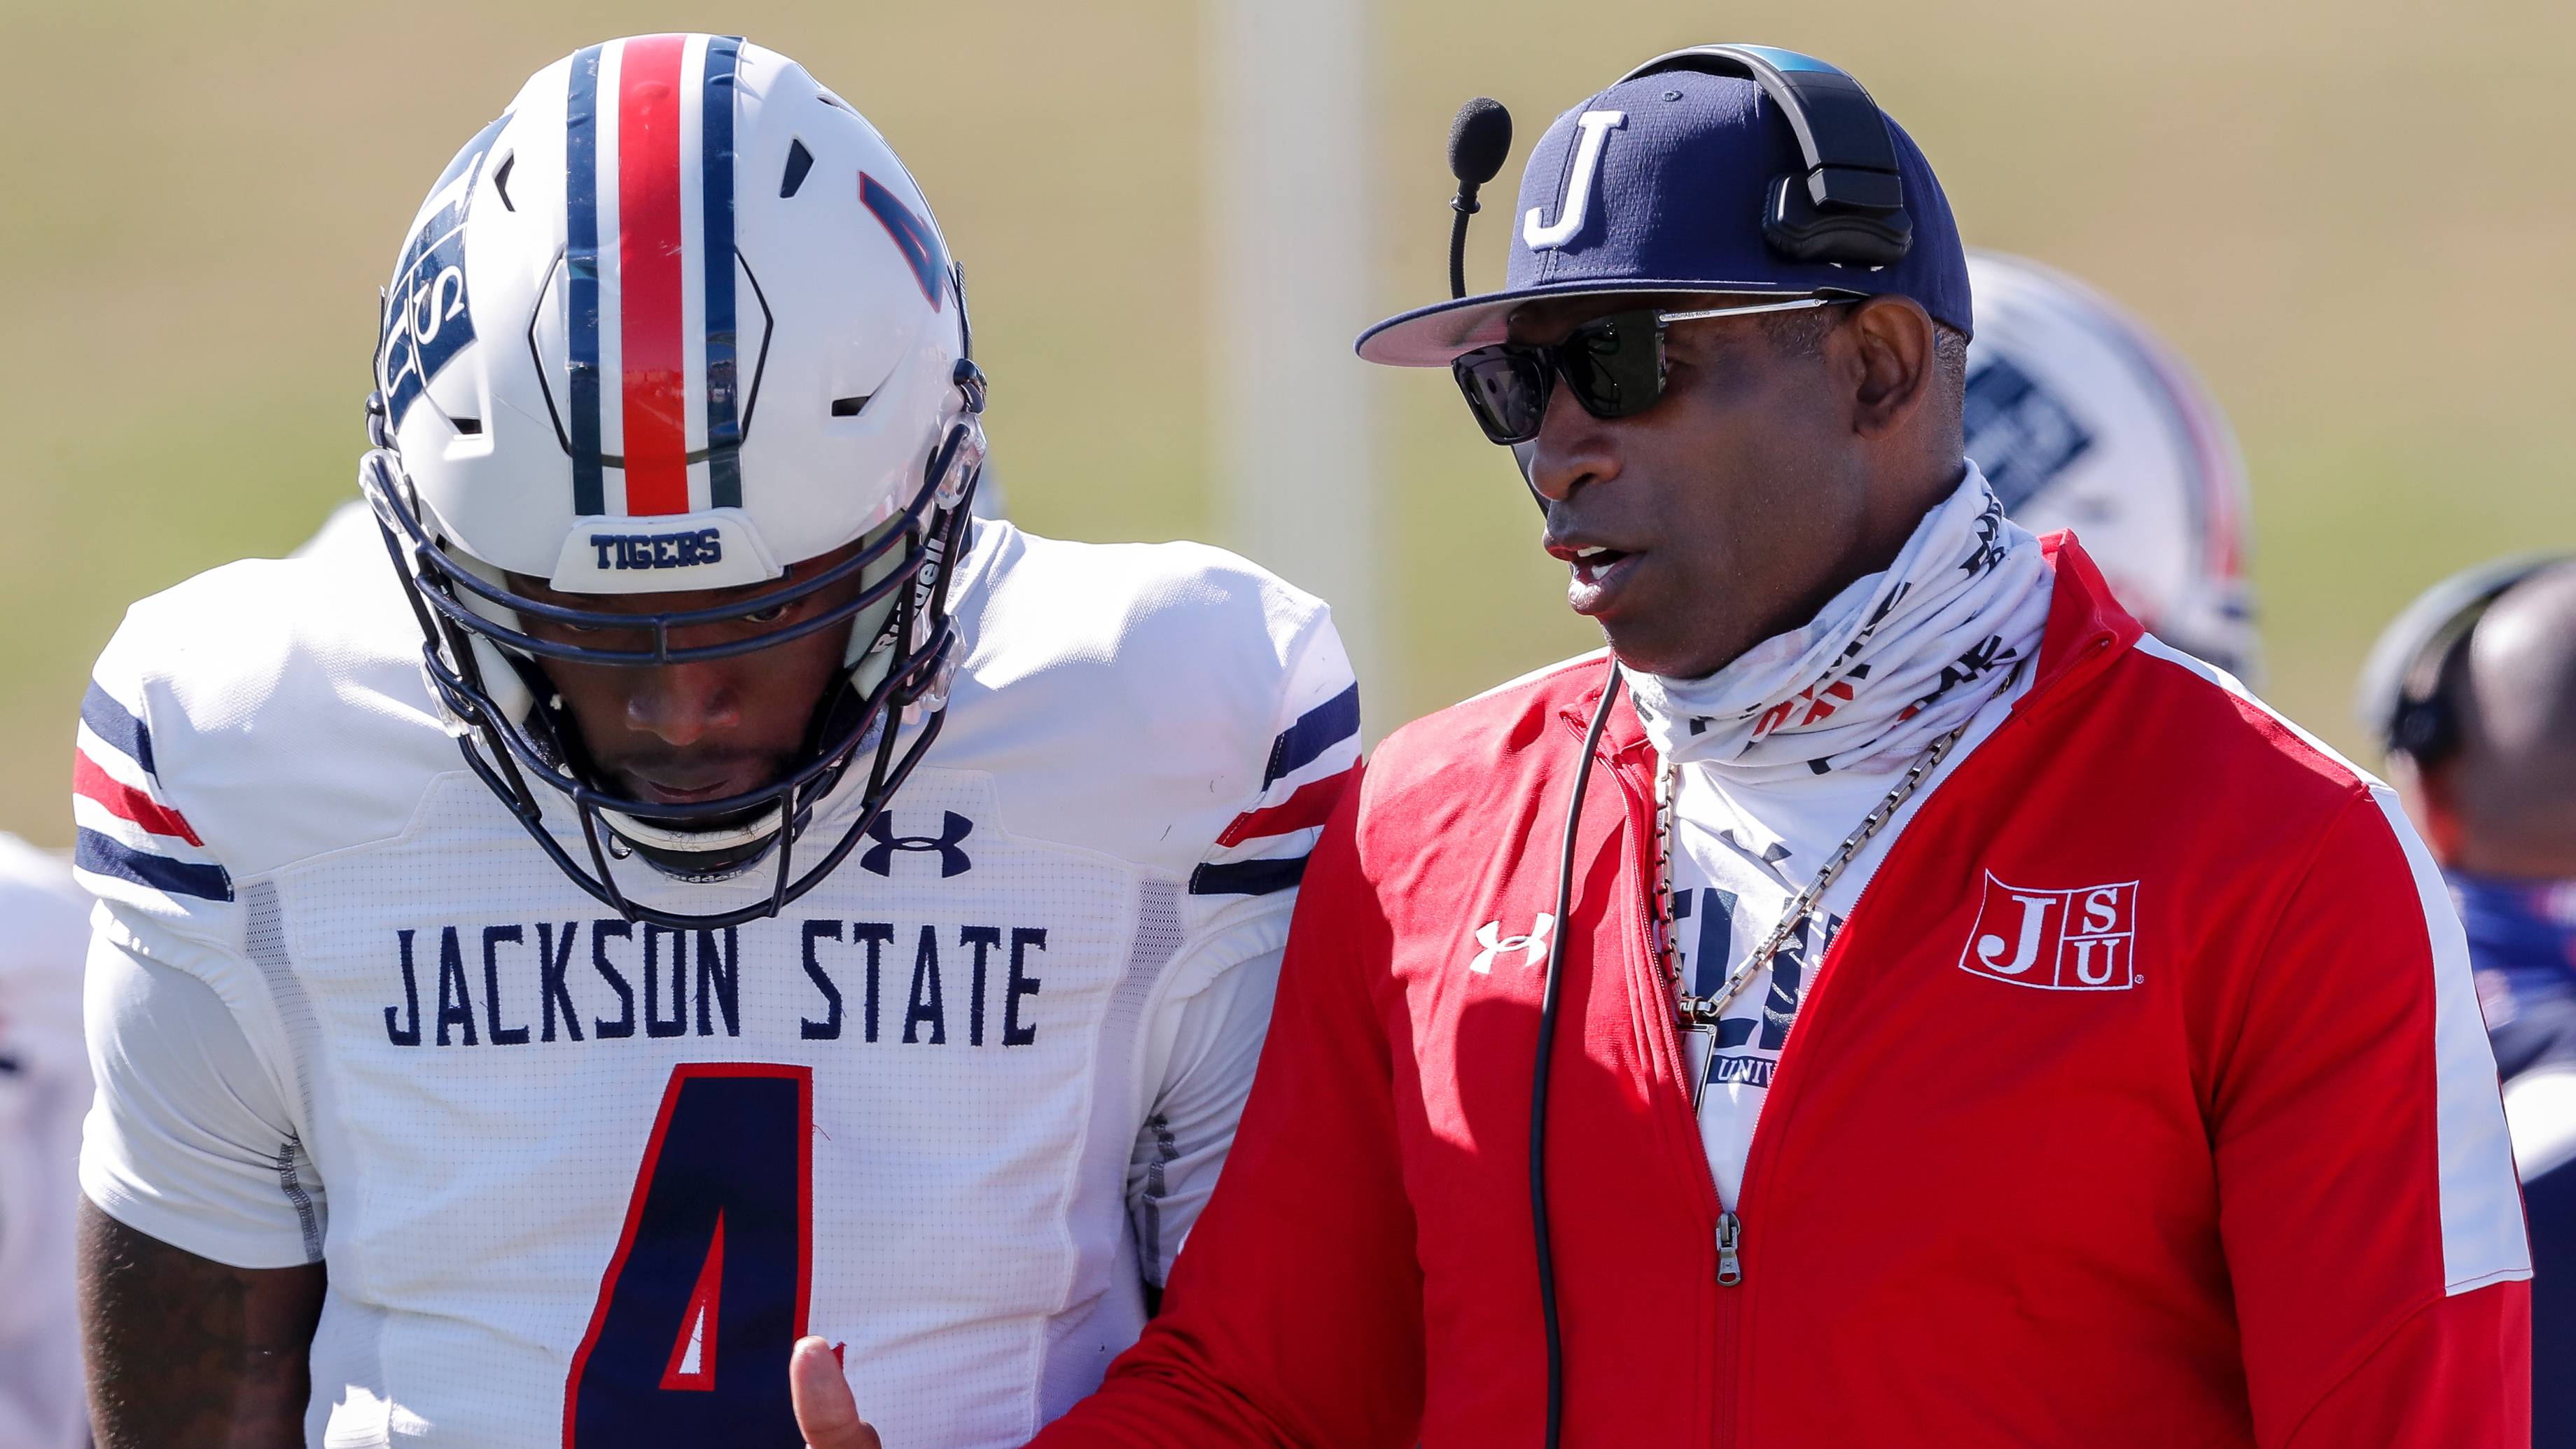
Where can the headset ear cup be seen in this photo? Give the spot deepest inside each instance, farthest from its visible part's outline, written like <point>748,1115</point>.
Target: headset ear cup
<point>2424,730</point>
<point>1797,228</point>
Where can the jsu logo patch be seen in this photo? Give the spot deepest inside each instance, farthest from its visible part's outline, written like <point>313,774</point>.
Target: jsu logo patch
<point>1531,948</point>
<point>2057,940</point>
<point>878,859</point>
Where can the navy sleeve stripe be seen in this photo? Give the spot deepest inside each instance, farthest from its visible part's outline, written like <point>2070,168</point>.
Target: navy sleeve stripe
<point>1317,730</point>
<point>1248,877</point>
<point>104,855</point>
<point>113,723</point>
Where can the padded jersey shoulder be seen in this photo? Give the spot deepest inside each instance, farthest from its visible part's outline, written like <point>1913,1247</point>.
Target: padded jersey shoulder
<point>1139,698</point>
<point>278,707</point>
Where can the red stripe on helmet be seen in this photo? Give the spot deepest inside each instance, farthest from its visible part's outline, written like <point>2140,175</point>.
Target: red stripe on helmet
<point>651,347</point>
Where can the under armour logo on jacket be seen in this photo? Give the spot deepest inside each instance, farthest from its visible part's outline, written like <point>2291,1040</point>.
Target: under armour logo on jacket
<point>953,828</point>
<point>1577,202</point>
<point>1533,947</point>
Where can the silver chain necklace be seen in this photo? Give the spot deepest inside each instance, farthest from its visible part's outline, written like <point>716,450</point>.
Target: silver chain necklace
<point>1701,1013</point>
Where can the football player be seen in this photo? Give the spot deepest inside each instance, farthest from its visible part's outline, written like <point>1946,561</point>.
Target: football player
<point>2083,419</point>
<point>44,1088</point>
<point>2471,692</point>
<point>711,888</point>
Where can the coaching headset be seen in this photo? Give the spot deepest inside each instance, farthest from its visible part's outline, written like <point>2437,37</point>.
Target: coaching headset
<point>2404,699</point>
<point>1845,206</point>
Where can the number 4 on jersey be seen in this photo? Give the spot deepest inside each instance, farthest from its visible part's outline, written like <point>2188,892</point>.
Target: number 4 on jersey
<point>707,1292</point>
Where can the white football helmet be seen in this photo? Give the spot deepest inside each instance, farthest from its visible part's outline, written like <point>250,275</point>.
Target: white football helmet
<point>2082,419</point>
<point>678,319</point>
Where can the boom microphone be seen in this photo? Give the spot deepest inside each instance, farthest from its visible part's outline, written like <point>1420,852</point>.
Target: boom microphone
<point>1479,139</point>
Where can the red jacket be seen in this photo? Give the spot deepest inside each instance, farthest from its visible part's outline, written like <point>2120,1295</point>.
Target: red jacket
<point>2253,1188</point>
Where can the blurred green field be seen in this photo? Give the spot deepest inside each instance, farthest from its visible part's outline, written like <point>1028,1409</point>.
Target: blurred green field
<point>2355,218</point>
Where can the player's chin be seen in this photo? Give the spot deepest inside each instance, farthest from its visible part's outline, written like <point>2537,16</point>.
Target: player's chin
<point>700,787</point>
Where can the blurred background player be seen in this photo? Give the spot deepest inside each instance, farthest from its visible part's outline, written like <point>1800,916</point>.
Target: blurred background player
<point>2472,692</point>
<point>44,1089</point>
<point>2083,419</point>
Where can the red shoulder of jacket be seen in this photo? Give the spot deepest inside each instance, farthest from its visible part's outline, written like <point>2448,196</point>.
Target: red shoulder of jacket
<point>2172,716</point>
<point>1505,739</point>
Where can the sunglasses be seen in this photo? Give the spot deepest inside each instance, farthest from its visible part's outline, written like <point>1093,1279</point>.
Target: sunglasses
<point>1613,365</point>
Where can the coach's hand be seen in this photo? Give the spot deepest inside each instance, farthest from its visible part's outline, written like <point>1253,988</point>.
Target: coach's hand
<point>825,1411</point>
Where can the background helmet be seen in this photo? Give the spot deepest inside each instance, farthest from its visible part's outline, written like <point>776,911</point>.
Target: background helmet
<point>2082,419</point>
<point>676,320</point>
<point>2405,695</point>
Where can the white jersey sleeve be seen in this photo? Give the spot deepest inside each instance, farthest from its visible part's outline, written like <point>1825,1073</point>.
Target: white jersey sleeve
<point>189,1139</point>
<point>44,1085</point>
<point>134,846</point>
<point>1309,762</point>
<point>1208,1035</point>
<point>192,1138</point>
<point>1210,1042</point>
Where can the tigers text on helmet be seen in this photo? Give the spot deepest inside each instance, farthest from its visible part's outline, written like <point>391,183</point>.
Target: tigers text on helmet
<point>678,320</point>
<point>2082,419</point>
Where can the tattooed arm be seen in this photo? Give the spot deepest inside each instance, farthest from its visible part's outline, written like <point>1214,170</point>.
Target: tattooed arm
<point>186,1353</point>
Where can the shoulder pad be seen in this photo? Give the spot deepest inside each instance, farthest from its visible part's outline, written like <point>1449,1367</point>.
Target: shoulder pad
<point>1209,691</point>
<point>257,714</point>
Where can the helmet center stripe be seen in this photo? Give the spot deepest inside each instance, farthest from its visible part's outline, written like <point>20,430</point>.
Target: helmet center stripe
<point>651,352</point>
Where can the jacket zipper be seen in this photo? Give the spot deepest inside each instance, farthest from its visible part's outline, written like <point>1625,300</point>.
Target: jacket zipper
<point>1727,1230</point>
<point>1727,1236</point>
<point>1727,1227</point>
<point>1731,1243</point>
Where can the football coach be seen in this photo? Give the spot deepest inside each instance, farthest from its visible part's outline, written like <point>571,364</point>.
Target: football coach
<point>1886,999</point>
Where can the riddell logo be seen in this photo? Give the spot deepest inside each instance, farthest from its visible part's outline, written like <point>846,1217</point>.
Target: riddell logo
<point>2070,940</point>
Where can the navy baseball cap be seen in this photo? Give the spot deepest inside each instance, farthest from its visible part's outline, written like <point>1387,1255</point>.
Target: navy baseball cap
<point>1658,184</point>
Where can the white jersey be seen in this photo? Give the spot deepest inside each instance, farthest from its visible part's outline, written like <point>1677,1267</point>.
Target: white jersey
<point>44,1088</point>
<point>583,1181</point>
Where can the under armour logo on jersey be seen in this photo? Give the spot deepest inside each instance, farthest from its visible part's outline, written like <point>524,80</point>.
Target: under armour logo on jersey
<point>1533,947</point>
<point>2056,940</point>
<point>953,828</point>
<point>1577,201</point>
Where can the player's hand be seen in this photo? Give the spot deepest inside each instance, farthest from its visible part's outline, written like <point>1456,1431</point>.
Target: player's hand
<point>825,1410</point>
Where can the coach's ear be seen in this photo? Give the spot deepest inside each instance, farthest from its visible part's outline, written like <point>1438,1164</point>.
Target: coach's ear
<point>825,1410</point>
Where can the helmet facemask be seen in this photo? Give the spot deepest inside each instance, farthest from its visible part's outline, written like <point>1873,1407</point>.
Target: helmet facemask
<point>516,734</point>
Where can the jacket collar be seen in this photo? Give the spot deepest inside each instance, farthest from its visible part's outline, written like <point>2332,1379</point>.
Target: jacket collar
<point>2086,630</point>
